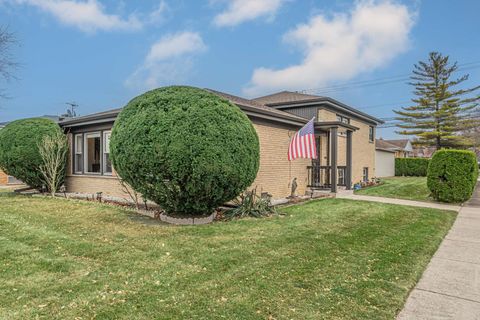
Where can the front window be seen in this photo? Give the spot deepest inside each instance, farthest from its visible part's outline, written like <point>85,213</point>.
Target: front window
<point>107,163</point>
<point>365,174</point>
<point>371,134</point>
<point>92,152</point>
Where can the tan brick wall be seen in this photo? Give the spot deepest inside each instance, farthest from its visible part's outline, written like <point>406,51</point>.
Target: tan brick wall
<point>274,176</point>
<point>90,184</point>
<point>276,172</point>
<point>326,115</point>
<point>363,151</point>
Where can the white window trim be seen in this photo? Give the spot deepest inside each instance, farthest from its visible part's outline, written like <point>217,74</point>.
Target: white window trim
<point>95,134</point>
<point>104,152</point>
<point>77,153</point>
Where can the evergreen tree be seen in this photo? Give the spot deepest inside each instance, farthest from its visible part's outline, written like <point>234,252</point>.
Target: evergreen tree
<point>441,110</point>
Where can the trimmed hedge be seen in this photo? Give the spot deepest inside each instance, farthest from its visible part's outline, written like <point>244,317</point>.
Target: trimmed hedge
<point>19,155</point>
<point>416,167</point>
<point>185,148</point>
<point>452,175</point>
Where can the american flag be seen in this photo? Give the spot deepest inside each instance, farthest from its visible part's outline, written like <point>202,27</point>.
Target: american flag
<point>303,143</point>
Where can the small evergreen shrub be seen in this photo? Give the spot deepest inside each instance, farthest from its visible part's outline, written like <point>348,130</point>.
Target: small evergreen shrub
<point>19,152</point>
<point>414,167</point>
<point>452,175</point>
<point>184,148</point>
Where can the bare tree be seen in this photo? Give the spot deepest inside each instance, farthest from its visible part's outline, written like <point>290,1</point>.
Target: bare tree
<point>134,195</point>
<point>53,151</point>
<point>7,63</point>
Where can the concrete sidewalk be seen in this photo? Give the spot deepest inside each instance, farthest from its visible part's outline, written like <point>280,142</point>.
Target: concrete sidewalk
<point>450,286</point>
<point>399,201</point>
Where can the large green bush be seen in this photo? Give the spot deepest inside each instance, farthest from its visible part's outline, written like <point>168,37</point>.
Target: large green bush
<point>19,154</point>
<point>452,175</point>
<point>185,148</point>
<point>413,167</point>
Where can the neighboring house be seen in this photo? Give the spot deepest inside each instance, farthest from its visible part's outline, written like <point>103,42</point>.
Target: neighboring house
<point>6,180</point>
<point>384,158</point>
<point>423,151</point>
<point>345,139</point>
<point>403,147</point>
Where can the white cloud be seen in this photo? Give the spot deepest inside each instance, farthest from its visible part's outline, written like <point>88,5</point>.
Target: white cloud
<point>239,11</point>
<point>90,15</point>
<point>340,47</point>
<point>158,14</point>
<point>169,61</point>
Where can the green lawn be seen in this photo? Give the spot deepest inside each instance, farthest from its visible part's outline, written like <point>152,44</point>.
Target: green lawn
<point>410,188</point>
<point>326,259</point>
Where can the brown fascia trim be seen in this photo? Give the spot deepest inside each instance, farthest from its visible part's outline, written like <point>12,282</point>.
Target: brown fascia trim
<point>387,150</point>
<point>329,101</point>
<point>334,124</point>
<point>248,110</point>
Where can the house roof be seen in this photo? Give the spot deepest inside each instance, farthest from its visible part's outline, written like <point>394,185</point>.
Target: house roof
<point>290,99</point>
<point>381,144</point>
<point>259,107</point>
<point>285,97</point>
<point>254,107</point>
<point>98,117</point>
<point>400,143</point>
<point>250,107</point>
<point>424,151</point>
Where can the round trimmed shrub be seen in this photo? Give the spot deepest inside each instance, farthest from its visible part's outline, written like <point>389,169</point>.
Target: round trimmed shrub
<point>452,175</point>
<point>19,155</point>
<point>184,148</point>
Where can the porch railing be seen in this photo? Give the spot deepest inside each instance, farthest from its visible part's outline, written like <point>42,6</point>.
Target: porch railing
<point>319,176</point>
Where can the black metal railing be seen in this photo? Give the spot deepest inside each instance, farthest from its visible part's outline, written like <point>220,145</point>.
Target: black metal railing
<point>320,176</point>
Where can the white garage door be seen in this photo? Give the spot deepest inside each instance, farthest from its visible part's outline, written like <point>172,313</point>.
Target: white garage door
<point>384,163</point>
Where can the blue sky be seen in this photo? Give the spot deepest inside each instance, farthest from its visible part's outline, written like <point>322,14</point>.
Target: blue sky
<point>101,54</point>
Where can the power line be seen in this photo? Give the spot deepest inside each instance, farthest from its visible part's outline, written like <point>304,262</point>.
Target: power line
<point>383,105</point>
<point>379,81</point>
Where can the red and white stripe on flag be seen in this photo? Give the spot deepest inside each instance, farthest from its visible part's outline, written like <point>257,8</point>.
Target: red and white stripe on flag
<point>303,143</point>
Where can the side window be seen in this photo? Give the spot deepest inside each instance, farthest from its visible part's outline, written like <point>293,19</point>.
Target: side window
<point>371,134</point>
<point>107,163</point>
<point>78,158</point>
<point>365,174</point>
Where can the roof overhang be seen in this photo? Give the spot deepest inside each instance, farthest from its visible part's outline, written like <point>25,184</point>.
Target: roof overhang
<point>386,150</point>
<point>326,125</point>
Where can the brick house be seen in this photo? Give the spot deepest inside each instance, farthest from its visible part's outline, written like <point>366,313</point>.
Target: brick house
<point>345,143</point>
<point>6,180</point>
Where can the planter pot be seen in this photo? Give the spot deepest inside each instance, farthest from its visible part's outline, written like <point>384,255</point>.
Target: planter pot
<point>188,220</point>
